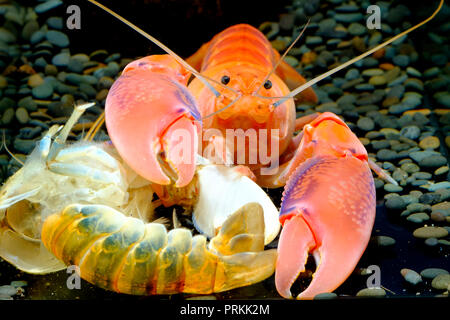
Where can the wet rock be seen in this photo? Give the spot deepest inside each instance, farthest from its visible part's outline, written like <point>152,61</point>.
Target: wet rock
<point>28,103</point>
<point>431,242</point>
<point>421,155</point>
<point>441,282</point>
<point>325,296</point>
<point>35,80</point>
<point>389,187</point>
<point>24,146</point>
<point>8,115</point>
<point>48,5</point>
<point>429,198</point>
<point>433,161</point>
<point>411,276</point>
<point>371,292</point>
<point>382,241</point>
<point>430,232</point>
<point>395,203</point>
<point>22,115</point>
<point>429,142</point>
<point>437,216</point>
<point>8,290</point>
<point>410,167</point>
<point>441,170</point>
<point>55,23</point>
<point>386,155</point>
<point>61,59</point>
<point>418,217</point>
<point>43,91</point>
<point>57,38</point>
<point>431,273</point>
<point>365,124</point>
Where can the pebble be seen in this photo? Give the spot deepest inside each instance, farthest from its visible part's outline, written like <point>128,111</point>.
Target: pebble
<point>389,187</point>
<point>437,216</point>
<point>24,146</point>
<point>356,29</point>
<point>431,273</point>
<point>8,115</point>
<point>19,283</point>
<point>8,290</point>
<point>411,276</point>
<point>422,175</point>
<point>430,232</point>
<point>55,22</point>
<point>48,5</point>
<point>43,91</point>
<point>410,167</point>
<point>325,296</point>
<point>371,292</point>
<point>441,170</point>
<point>433,161</point>
<point>431,242</point>
<point>421,155</point>
<point>383,241</point>
<point>57,38</point>
<point>429,198</point>
<point>418,217</point>
<point>386,155</point>
<point>441,282</point>
<point>22,115</point>
<point>430,142</point>
<point>61,59</point>
<point>366,124</point>
<point>35,80</point>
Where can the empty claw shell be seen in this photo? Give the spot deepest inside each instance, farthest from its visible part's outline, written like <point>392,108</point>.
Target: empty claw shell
<point>222,191</point>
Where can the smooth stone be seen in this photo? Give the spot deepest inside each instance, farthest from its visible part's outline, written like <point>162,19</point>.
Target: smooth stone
<point>40,62</point>
<point>371,292</point>
<point>431,273</point>
<point>313,40</point>
<point>431,72</point>
<point>57,38</point>
<point>37,37</point>
<point>24,146</point>
<point>441,282</point>
<point>30,27</point>
<point>42,91</point>
<point>22,115</point>
<point>382,241</point>
<point>61,59</point>
<point>389,187</point>
<point>8,115</point>
<point>366,124</point>
<point>7,36</point>
<point>429,198</point>
<point>431,242</point>
<point>411,132</point>
<point>413,72</point>
<point>48,5</point>
<point>377,80</point>
<point>422,175</point>
<point>55,23</point>
<point>440,185</point>
<point>437,216</point>
<point>418,217</point>
<point>411,276</point>
<point>19,283</point>
<point>418,207</point>
<point>27,103</point>
<point>401,60</point>
<point>421,155</point>
<point>410,167</point>
<point>356,29</point>
<point>441,170</point>
<point>325,296</point>
<point>35,80</point>
<point>386,155</point>
<point>433,161</point>
<point>430,232</point>
<point>8,290</point>
<point>75,65</point>
<point>352,74</point>
<point>395,203</point>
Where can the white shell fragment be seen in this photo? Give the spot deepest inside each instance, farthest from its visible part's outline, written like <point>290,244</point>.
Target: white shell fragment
<point>223,190</point>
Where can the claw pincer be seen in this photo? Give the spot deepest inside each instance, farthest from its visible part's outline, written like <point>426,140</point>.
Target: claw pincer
<point>153,121</point>
<point>328,209</point>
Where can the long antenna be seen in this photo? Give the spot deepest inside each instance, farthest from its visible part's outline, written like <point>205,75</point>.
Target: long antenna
<point>166,49</point>
<point>308,84</point>
<point>281,58</point>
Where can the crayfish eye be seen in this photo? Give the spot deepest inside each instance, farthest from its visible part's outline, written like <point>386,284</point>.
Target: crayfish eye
<point>268,84</point>
<point>225,79</point>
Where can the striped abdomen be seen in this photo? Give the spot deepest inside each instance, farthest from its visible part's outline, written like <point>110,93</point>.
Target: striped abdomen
<point>240,43</point>
<point>125,255</point>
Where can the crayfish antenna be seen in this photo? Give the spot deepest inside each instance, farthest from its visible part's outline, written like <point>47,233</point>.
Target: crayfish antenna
<point>312,82</point>
<point>186,65</point>
<point>281,59</point>
<point>7,150</point>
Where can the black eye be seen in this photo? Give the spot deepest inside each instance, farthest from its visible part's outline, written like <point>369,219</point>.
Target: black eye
<point>225,79</point>
<point>268,84</point>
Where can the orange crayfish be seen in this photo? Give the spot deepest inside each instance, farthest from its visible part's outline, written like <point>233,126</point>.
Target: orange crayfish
<point>328,205</point>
